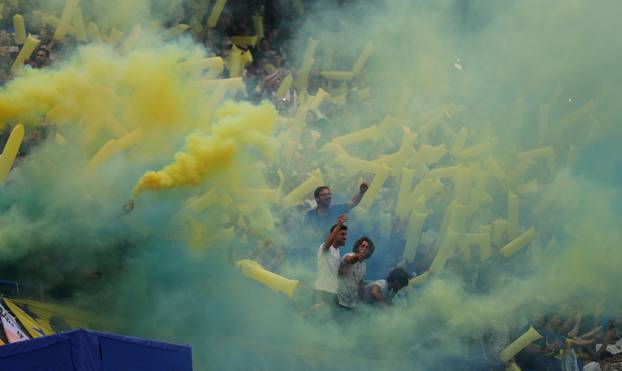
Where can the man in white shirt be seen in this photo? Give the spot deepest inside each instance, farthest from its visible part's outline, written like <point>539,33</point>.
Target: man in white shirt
<point>328,260</point>
<point>382,291</point>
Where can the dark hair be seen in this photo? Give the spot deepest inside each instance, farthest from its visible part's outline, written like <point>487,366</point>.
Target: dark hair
<point>360,241</point>
<point>343,228</point>
<point>398,275</point>
<point>316,193</point>
<point>41,48</point>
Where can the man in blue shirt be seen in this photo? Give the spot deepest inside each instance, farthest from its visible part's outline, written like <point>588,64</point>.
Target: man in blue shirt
<point>324,214</point>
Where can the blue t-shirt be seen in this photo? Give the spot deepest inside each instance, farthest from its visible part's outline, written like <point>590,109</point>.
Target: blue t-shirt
<point>324,222</point>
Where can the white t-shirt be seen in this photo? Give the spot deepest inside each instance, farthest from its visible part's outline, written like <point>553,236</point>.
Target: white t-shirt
<point>327,268</point>
<point>384,291</point>
<point>349,278</point>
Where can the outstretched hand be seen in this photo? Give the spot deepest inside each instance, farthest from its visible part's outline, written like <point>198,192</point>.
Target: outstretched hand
<point>363,187</point>
<point>342,219</point>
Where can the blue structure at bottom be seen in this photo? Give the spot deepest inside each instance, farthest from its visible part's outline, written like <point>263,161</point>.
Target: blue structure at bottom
<point>85,350</point>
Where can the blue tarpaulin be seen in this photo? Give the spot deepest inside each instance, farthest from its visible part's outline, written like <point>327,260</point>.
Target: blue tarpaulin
<point>84,350</point>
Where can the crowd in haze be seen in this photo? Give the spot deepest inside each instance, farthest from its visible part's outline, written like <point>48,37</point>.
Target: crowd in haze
<point>343,280</point>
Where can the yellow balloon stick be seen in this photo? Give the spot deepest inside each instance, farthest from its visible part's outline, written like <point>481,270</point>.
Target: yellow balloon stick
<point>65,19</point>
<point>459,141</point>
<point>114,146</point>
<point>355,164</point>
<point>517,175</point>
<point>519,344</point>
<point>93,33</point>
<point>337,75</point>
<point>413,234</point>
<point>244,40</point>
<point>447,246</point>
<point>402,206</point>
<point>334,149</point>
<point>585,109</point>
<point>497,171</point>
<point>234,62</point>
<point>545,152</point>
<point>78,24</point>
<point>258,194</point>
<point>10,151</point>
<point>20,29</point>
<point>297,195</point>
<point>131,39</point>
<point>255,271</point>
<point>258,26</point>
<point>29,46</point>
<point>474,151</point>
<point>357,136</point>
<point>457,221</point>
<point>513,367</point>
<point>202,64</point>
<point>302,77</point>
<point>420,279</point>
<point>286,83</point>
<point>519,242</point>
<point>315,102</point>
<point>381,176</point>
<point>212,21</point>
<point>462,184</point>
<point>362,59</point>
<point>483,240</point>
<point>114,37</point>
<point>444,172</point>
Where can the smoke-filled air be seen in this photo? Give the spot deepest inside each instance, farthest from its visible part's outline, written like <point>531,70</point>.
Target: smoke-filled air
<point>172,170</point>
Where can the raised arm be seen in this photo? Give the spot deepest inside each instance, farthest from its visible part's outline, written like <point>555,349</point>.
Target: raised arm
<point>331,236</point>
<point>359,196</point>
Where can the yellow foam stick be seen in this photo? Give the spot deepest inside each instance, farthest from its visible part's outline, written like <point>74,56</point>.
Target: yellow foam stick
<point>10,151</point>
<point>513,367</point>
<point>20,29</point>
<point>496,170</point>
<point>244,40</point>
<point>519,344</point>
<point>474,151</point>
<point>212,21</point>
<point>358,136</point>
<point>374,187</point>
<point>406,181</point>
<point>302,77</point>
<point>227,84</point>
<point>286,83</point>
<point>114,146</point>
<point>447,246</point>
<point>479,195</point>
<point>544,152</point>
<point>413,234</point>
<point>297,195</point>
<point>585,109</point>
<point>246,58</point>
<point>543,122</point>
<point>114,37</point>
<point>499,227</point>
<point>334,149</point>
<point>337,75</point>
<point>315,102</point>
<point>444,172</point>
<point>65,19</point>
<point>202,64</point>
<point>512,227</point>
<point>426,188</point>
<point>93,33</point>
<point>362,59</point>
<point>420,279</point>
<point>258,26</point>
<point>384,220</point>
<point>457,221</point>
<point>519,242</point>
<point>255,271</point>
<point>462,185</point>
<point>29,46</point>
<point>78,24</point>
<point>234,62</point>
<point>459,141</point>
